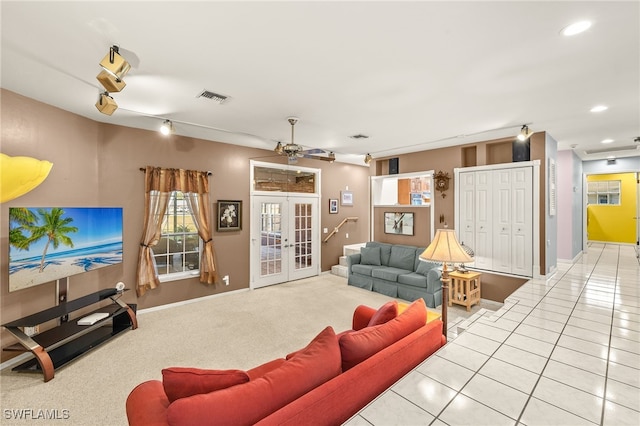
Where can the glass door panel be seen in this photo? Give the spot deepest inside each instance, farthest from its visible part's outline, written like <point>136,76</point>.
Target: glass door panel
<point>286,246</point>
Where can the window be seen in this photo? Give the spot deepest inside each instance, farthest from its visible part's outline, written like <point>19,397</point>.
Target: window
<point>178,252</point>
<point>604,192</point>
<point>406,189</point>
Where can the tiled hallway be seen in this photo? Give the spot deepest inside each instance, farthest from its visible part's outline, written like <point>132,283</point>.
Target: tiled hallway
<point>562,352</point>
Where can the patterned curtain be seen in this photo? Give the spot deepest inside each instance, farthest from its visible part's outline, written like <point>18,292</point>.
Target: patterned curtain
<point>159,183</point>
<point>196,190</point>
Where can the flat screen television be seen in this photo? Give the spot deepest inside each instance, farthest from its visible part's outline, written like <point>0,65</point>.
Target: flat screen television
<point>47,244</point>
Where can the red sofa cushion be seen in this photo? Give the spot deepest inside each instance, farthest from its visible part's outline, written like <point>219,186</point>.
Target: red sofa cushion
<point>359,345</point>
<point>387,312</point>
<point>179,382</point>
<point>263,369</point>
<point>249,402</point>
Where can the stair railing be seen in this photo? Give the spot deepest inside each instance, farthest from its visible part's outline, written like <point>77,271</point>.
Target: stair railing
<point>337,228</point>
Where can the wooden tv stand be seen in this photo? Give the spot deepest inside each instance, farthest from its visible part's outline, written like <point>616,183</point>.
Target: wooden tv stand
<point>55,347</point>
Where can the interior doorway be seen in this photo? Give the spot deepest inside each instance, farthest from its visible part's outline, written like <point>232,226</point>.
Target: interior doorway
<point>612,211</point>
<point>285,223</point>
<point>287,244</point>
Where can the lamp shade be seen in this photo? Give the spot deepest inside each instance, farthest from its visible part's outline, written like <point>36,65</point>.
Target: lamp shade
<point>445,248</point>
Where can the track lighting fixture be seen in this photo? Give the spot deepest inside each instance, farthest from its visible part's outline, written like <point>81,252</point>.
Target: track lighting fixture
<point>367,159</point>
<point>524,134</point>
<point>279,148</point>
<point>167,127</point>
<point>106,104</point>
<point>114,68</point>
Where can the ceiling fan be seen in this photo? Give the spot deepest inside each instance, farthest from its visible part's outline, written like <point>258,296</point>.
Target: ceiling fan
<point>294,151</point>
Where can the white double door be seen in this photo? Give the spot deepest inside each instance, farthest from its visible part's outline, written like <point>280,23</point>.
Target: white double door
<point>496,219</point>
<point>285,239</point>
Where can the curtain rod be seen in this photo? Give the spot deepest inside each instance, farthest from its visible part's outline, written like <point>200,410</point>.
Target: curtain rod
<point>142,169</point>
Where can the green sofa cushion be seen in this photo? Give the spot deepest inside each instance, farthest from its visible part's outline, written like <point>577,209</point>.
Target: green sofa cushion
<point>370,256</point>
<point>403,257</point>
<point>389,273</point>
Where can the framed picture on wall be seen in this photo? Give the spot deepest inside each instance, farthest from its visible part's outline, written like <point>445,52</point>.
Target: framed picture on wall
<point>229,215</point>
<point>333,205</point>
<point>346,198</point>
<point>399,223</point>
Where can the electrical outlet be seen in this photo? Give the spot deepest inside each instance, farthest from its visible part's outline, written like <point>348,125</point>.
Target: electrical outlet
<point>226,279</point>
<point>346,235</point>
<point>325,230</point>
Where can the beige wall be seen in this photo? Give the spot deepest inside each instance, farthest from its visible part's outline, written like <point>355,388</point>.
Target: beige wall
<point>99,164</point>
<point>446,159</point>
<point>96,164</point>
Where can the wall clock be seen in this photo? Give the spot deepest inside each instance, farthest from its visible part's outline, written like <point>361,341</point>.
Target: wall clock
<point>441,180</point>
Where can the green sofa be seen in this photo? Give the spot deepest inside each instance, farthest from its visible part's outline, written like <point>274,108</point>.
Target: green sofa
<point>396,271</point>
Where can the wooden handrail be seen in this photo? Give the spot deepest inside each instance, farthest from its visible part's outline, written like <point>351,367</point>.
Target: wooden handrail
<point>335,230</point>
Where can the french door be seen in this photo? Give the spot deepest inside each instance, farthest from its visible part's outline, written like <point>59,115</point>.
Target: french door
<point>285,239</point>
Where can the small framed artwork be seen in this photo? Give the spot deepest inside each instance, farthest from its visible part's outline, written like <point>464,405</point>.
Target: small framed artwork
<point>399,223</point>
<point>346,198</point>
<point>333,205</point>
<point>229,215</point>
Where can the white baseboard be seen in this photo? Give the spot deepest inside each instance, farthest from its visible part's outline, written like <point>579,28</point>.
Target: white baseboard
<point>186,302</point>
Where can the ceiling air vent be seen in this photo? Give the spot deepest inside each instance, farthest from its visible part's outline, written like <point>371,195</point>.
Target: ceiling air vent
<point>610,149</point>
<point>213,96</point>
<point>359,136</point>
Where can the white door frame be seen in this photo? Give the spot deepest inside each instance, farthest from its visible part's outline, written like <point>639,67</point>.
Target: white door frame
<point>288,198</point>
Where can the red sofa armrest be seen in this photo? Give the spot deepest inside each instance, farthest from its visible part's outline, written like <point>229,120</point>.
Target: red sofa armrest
<point>361,317</point>
<point>147,405</point>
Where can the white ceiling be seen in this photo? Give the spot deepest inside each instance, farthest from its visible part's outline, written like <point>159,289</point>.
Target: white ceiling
<point>411,75</point>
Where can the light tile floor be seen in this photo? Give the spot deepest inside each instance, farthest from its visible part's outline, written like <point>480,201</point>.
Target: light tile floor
<point>565,351</point>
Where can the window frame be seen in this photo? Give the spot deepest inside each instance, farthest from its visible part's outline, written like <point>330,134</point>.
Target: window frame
<point>185,213</point>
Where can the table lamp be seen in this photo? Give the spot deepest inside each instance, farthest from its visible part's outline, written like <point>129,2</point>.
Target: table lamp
<point>445,248</point>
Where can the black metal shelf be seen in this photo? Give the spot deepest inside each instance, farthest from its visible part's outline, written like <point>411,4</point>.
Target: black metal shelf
<point>57,346</point>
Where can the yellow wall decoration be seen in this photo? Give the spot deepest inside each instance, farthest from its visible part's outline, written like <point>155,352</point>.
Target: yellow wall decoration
<point>614,223</point>
<point>19,175</point>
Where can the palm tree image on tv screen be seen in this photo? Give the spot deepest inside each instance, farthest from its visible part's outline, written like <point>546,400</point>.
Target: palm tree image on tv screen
<point>46,244</point>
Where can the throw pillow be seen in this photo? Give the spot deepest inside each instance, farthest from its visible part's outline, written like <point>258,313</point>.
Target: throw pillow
<point>250,402</point>
<point>357,346</point>
<point>179,382</point>
<point>370,256</point>
<point>387,312</point>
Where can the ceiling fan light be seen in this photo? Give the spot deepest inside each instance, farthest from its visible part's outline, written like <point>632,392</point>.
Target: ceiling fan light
<point>115,64</point>
<point>106,104</point>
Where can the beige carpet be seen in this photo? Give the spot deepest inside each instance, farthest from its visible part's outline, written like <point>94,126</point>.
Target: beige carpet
<point>239,330</point>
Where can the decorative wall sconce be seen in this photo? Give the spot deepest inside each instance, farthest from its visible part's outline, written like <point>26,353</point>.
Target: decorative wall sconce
<point>441,180</point>
<point>19,175</point>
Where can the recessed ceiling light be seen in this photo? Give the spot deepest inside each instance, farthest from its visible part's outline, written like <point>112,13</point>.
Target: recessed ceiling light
<point>576,28</point>
<point>599,108</point>
<point>606,141</point>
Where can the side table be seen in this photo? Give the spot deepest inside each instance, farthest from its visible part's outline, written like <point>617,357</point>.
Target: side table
<point>464,289</point>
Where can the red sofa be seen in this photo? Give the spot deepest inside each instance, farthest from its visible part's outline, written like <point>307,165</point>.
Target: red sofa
<point>325,383</point>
